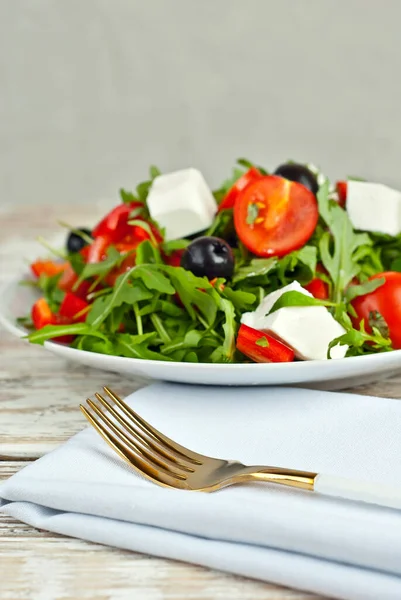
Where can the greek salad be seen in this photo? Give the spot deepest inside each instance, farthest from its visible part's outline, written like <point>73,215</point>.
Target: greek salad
<point>267,268</point>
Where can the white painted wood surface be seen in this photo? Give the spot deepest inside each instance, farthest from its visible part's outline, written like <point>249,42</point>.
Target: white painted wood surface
<point>39,396</point>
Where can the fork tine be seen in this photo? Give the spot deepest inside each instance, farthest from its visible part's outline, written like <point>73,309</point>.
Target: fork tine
<point>151,444</point>
<point>188,455</point>
<point>147,455</point>
<point>136,462</point>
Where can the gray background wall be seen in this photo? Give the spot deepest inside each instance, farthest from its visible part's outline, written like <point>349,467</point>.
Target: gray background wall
<point>93,91</point>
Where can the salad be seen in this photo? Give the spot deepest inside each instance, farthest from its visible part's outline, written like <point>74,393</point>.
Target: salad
<point>267,268</point>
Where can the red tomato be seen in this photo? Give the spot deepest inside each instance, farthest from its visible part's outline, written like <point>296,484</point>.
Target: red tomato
<point>229,199</point>
<point>97,250</point>
<point>47,267</point>
<point>125,266</point>
<point>71,306</point>
<point>386,300</point>
<point>115,223</point>
<point>68,281</point>
<point>274,216</point>
<point>41,314</point>
<point>342,192</point>
<point>174,260</point>
<point>262,347</point>
<point>318,288</point>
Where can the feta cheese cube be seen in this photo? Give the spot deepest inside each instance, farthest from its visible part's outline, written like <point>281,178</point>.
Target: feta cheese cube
<point>374,207</point>
<point>308,330</point>
<point>182,203</point>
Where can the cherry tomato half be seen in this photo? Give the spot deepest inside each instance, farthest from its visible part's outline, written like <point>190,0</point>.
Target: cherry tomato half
<point>229,199</point>
<point>341,188</point>
<point>274,216</point>
<point>385,301</point>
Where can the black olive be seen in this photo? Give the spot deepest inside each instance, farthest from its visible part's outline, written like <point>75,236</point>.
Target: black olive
<point>299,173</point>
<point>75,242</point>
<point>209,256</point>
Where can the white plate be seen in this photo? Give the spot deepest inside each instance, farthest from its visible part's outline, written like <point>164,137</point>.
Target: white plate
<point>16,300</point>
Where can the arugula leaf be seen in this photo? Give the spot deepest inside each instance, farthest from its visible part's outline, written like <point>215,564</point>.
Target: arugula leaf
<point>152,278</point>
<point>192,292</point>
<point>191,340</point>
<point>365,288</point>
<point>52,293</point>
<point>295,298</point>
<point>169,247</point>
<point>257,267</point>
<point>337,246</point>
<point>52,331</point>
<point>127,197</point>
<point>225,353</point>
<point>361,342</point>
<point>221,223</point>
<point>146,253</point>
<point>244,162</point>
<point>128,294</point>
<point>154,171</point>
<point>145,226</point>
<point>240,299</point>
<point>137,346</point>
<point>112,260</point>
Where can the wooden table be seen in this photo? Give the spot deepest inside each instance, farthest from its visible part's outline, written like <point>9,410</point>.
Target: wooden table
<point>39,396</point>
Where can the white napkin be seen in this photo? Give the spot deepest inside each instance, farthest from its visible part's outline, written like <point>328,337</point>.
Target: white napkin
<point>337,548</point>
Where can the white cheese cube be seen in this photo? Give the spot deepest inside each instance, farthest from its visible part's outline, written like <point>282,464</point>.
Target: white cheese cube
<point>308,330</point>
<point>182,203</point>
<point>374,207</point>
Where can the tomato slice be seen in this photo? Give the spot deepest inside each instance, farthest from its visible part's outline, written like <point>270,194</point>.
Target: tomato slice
<point>341,187</point>
<point>115,223</point>
<point>229,199</point>
<point>274,216</point>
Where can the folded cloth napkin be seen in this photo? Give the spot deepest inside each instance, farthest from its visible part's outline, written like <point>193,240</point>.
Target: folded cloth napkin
<point>338,548</point>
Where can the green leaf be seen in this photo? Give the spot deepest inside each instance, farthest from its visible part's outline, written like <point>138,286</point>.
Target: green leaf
<point>101,269</point>
<point>146,253</point>
<point>337,246</point>
<point>240,299</point>
<point>308,257</point>
<point>146,227</point>
<point>396,265</point>
<point>295,298</point>
<point>221,223</point>
<point>256,268</point>
<point>137,346</point>
<point>51,292</point>
<point>173,245</point>
<point>360,342</point>
<point>263,342</point>
<point>192,291</point>
<point>152,278</point>
<point>365,288</point>
<point>127,197</point>
<point>191,340</point>
<point>52,331</point>
<point>154,171</point>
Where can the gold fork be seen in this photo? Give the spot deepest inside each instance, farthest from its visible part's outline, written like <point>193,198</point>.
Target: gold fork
<point>166,463</point>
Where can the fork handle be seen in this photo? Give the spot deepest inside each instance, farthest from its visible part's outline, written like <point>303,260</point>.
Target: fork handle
<point>361,491</point>
<point>330,485</point>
